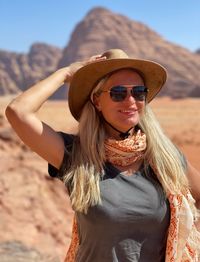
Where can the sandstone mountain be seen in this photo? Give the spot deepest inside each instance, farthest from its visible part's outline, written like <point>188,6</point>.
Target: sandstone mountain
<point>19,71</point>
<point>34,208</point>
<point>100,30</point>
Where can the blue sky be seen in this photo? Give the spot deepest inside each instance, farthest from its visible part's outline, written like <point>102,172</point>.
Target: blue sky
<point>23,22</point>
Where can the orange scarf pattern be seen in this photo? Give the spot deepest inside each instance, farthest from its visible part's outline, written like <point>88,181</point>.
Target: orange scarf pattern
<point>183,242</point>
<point>125,152</point>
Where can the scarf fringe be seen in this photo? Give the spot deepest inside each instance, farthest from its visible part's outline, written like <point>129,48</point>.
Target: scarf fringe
<point>183,242</point>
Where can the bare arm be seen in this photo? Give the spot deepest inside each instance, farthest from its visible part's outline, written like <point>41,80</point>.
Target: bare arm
<point>21,113</point>
<point>194,181</point>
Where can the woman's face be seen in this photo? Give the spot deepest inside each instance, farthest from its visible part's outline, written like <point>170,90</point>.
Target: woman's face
<point>124,114</point>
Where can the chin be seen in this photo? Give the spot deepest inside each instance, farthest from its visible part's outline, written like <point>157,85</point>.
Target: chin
<point>131,122</point>
<point>124,128</point>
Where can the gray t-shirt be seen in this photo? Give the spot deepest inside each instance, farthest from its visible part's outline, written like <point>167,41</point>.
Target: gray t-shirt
<point>131,223</point>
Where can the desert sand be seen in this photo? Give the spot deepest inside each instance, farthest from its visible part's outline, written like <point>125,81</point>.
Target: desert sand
<point>35,208</point>
<point>180,119</point>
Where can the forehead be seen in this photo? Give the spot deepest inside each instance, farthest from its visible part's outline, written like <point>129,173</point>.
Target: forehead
<point>124,76</point>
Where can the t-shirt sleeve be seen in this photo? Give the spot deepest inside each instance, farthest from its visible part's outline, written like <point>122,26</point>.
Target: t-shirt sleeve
<point>58,173</point>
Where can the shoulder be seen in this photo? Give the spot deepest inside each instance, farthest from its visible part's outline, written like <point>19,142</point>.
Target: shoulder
<point>68,140</point>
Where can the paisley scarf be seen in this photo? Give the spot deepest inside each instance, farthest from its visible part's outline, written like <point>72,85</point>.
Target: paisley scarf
<point>183,241</point>
<point>127,151</point>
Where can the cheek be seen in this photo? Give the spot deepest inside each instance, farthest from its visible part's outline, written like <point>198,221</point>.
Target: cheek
<point>141,107</point>
<point>97,100</point>
<point>108,109</point>
<point>104,102</point>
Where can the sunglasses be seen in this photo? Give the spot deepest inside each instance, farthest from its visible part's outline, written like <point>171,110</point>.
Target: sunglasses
<point>120,92</point>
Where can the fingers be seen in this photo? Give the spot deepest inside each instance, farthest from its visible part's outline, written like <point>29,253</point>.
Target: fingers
<point>77,65</point>
<point>95,58</point>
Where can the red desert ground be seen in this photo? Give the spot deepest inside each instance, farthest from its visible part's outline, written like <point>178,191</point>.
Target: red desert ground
<point>34,208</point>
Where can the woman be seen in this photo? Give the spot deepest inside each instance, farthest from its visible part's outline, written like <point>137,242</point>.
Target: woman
<point>128,184</point>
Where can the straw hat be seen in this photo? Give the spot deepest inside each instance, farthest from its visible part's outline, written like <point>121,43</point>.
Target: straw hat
<point>87,77</point>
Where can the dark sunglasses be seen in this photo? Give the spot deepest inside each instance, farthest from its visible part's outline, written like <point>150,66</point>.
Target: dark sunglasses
<point>119,93</point>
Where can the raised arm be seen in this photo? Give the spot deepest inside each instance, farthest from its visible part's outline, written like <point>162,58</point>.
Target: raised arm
<point>21,113</point>
<point>194,181</point>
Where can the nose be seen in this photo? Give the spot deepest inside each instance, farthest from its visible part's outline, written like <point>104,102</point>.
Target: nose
<point>129,97</point>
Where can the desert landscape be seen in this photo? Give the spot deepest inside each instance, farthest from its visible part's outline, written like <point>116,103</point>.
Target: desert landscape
<point>35,209</point>
<point>180,118</point>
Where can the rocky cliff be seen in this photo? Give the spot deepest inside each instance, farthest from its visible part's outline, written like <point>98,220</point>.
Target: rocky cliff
<point>15,251</point>
<point>100,30</point>
<point>34,208</point>
<point>19,71</point>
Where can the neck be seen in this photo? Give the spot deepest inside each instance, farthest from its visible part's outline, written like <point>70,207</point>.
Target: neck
<point>120,134</point>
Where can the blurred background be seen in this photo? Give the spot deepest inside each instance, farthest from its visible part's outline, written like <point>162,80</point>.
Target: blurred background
<point>37,38</point>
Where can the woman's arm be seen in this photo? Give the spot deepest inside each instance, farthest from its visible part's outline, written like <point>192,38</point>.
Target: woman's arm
<point>194,182</point>
<point>22,115</point>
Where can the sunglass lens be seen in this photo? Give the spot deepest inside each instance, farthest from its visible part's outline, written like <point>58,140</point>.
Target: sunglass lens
<point>139,93</point>
<point>118,93</point>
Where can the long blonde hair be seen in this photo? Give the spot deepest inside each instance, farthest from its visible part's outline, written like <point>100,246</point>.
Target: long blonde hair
<point>87,157</point>
<point>163,156</point>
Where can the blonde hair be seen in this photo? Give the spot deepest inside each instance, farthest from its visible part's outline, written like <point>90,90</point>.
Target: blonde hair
<point>88,158</point>
<point>163,156</point>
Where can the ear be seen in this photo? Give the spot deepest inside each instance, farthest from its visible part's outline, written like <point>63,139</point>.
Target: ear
<point>96,102</point>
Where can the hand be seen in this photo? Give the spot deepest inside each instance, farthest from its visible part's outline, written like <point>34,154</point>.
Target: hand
<point>74,67</point>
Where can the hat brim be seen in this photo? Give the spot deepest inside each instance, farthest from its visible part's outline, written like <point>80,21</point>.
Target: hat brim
<point>86,78</point>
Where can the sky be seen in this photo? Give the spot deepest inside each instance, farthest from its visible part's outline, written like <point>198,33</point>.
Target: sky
<point>24,22</point>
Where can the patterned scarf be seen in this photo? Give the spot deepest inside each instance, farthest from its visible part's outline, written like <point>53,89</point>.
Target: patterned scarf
<point>183,241</point>
<point>127,151</point>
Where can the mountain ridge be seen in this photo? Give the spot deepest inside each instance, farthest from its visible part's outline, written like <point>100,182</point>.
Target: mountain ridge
<point>98,31</point>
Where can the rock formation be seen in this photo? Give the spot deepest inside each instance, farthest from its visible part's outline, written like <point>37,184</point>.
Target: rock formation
<point>34,207</point>
<point>19,71</point>
<point>100,30</point>
<point>198,51</point>
<point>16,251</point>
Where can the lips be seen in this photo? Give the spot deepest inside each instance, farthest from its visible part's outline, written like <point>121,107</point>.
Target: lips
<point>128,111</point>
